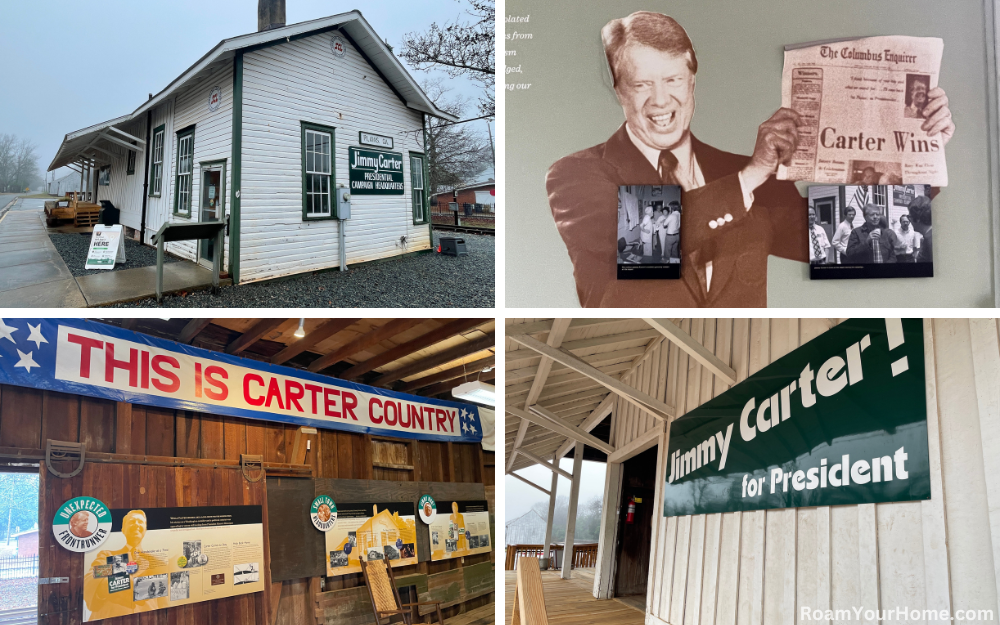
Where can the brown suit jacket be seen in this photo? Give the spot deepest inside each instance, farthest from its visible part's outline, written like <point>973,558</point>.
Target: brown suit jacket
<point>583,192</point>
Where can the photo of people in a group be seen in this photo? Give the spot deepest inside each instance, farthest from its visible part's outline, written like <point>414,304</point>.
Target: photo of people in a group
<point>464,532</point>
<point>161,557</point>
<point>372,531</point>
<point>649,232</point>
<point>870,231</point>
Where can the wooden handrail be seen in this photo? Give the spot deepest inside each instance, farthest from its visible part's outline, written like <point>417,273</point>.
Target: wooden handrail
<point>584,556</point>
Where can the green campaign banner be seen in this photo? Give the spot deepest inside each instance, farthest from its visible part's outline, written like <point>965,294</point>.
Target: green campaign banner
<point>374,172</point>
<point>840,420</point>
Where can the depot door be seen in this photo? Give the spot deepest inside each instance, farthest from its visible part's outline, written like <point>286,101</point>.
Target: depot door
<point>635,538</point>
<point>213,180</point>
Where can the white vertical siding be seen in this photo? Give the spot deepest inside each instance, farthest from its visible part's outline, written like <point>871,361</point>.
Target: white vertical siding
<point>762,567</point>
<point>284,85</point>
<point>125,191</point>
<point>158,208</point>
<point>213,136</point>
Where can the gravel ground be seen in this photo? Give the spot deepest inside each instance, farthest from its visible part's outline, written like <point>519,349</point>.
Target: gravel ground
<point>18,593</point>
<point>74,247</point>
<point>427,280</point>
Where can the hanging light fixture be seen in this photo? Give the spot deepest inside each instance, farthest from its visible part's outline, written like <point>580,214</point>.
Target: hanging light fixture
<point>477,392</point>
<point>301,332</point>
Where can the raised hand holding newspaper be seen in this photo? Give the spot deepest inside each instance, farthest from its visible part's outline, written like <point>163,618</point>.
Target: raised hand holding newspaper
<point>870,111</point>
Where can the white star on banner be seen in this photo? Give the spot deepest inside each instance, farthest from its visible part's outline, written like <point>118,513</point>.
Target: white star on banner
<point>5,332</point>
<point>465,428</point>
<point>26,361</point>
<point>36,335</point>
<point>472,429</point>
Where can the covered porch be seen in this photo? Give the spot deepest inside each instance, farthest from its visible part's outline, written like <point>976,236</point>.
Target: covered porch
<point>571,601</point>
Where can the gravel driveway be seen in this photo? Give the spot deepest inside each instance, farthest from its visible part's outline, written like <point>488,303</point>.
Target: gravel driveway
<point>427,280</point>
<point>74,247</point>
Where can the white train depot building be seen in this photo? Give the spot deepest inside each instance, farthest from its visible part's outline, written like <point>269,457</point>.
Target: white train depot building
<point>263,130</point>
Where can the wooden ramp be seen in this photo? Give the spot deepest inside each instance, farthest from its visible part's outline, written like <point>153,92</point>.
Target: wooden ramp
<point>572,602</point>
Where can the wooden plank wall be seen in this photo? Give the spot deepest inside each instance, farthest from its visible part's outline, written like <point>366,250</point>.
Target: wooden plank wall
<point>762,567</point>
<point>28,417</point>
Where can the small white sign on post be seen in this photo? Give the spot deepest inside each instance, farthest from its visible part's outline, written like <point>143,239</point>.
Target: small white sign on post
<point>107,247</point>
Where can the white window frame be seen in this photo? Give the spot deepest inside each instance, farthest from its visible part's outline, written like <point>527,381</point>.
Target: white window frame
<point>156,182</point>
<point>317,174</point>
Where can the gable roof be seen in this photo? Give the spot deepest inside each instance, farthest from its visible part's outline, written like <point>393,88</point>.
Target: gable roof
<point>352,24</point>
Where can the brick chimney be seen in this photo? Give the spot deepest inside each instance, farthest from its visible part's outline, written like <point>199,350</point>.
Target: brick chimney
<point>270,14</point>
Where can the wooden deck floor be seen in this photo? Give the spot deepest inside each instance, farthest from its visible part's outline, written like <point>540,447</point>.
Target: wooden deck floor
<point>572,601</point>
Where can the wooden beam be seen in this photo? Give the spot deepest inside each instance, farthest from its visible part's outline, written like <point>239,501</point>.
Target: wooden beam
<point>693,348</point>
<point>435,360</point>
<point>125,144</point>
<point>127,135</point>
<point>317,335</point>
<point>639,399</point>
<point>598,415</point>
<point>427,339</point>
<point>534,327</point>
<point>638,445</point>
<point>542,417</point>
<point>555,469</point>
<point>254,334</point>
<point>363,342</point>
<point>574,500</point>
<point>193,329</point>
<point>448,374</point>
<point>555,338</point>
<point>528,482</point>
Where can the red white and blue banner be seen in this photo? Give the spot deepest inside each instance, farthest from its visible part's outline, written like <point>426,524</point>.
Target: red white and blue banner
<point>87,358</point>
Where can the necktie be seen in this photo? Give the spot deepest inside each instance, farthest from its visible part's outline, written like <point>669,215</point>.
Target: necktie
<point>666,165</point>
<point>817,253</point>
<point>876,250</point>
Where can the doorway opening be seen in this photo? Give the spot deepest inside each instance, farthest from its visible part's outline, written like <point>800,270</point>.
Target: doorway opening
<point>635,528</point>
<point>18,543</point>
<point>213,183</point>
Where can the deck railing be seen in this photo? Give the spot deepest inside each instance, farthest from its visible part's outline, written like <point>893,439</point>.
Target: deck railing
<point>584,555</point>
<point>13,567</point>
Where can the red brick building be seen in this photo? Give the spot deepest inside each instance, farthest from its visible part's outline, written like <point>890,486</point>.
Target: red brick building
<point>27,543</point>
<point>477,193</point>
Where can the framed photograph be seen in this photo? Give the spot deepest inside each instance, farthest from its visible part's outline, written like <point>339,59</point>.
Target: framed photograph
<point>870,231</point>
<point>649,232</point>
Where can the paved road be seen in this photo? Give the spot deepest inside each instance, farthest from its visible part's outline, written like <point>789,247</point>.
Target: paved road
<point>5,199</point>
<point>32,274</point>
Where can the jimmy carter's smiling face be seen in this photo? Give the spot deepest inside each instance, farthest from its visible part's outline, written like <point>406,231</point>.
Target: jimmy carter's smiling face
<point>656,91</point>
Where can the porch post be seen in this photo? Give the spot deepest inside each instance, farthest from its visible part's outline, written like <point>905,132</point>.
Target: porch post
<point>544,560</point>
<point>574,498</point>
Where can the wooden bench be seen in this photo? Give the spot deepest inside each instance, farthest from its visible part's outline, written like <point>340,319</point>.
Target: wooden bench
<point>352,606</point>
<point>190,232</point>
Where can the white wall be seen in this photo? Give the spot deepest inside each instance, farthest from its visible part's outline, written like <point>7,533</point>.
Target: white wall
<point>299,81</point>
<point>761,567</point>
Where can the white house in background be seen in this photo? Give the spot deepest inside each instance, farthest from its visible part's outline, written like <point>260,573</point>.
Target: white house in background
<point>62,186</point>
<point>262,130</point>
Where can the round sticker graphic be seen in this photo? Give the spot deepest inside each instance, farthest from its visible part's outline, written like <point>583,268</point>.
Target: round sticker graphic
<point>428,509</point>
<point>214,99</point>
<point>323,513</point>
<point>338,46</point>
<point>182,562</point>
<point>82,524</point>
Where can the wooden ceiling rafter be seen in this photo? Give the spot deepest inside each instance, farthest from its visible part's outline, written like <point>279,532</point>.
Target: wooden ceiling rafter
<point>444,387</point>
<point>363,342</point>
<point>254,334</point>
<point>437,335</point>
<point>447,374</point>
<point>435,360</point>
<point>192,329</point>
<point>315,336</point>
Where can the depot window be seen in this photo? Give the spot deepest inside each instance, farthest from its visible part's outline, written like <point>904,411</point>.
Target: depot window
<point>185,170</point>
<point>156,179</point>
<point>417,187</point>
<point>317,171</point>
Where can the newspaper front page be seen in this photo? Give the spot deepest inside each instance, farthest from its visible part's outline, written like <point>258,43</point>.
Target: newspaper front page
<point>861,102</point>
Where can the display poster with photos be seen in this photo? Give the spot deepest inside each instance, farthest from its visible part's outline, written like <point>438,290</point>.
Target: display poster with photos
<point>870,231</point>
<point>461,528</point>
<point>649,232</point>
<point>371,531</point>
<point>158,558</point>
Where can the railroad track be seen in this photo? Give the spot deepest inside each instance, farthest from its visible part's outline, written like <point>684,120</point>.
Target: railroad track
<point>466,229</point>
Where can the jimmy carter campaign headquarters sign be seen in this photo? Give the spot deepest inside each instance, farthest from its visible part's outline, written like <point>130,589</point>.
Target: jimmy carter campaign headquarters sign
<point>373,172</point>
<point>840,420</point>
<point>85,358</point>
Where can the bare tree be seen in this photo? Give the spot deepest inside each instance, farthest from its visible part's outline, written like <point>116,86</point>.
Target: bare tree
<point>461,48</point>
<point>18,163</point>
<point>456,153</point>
